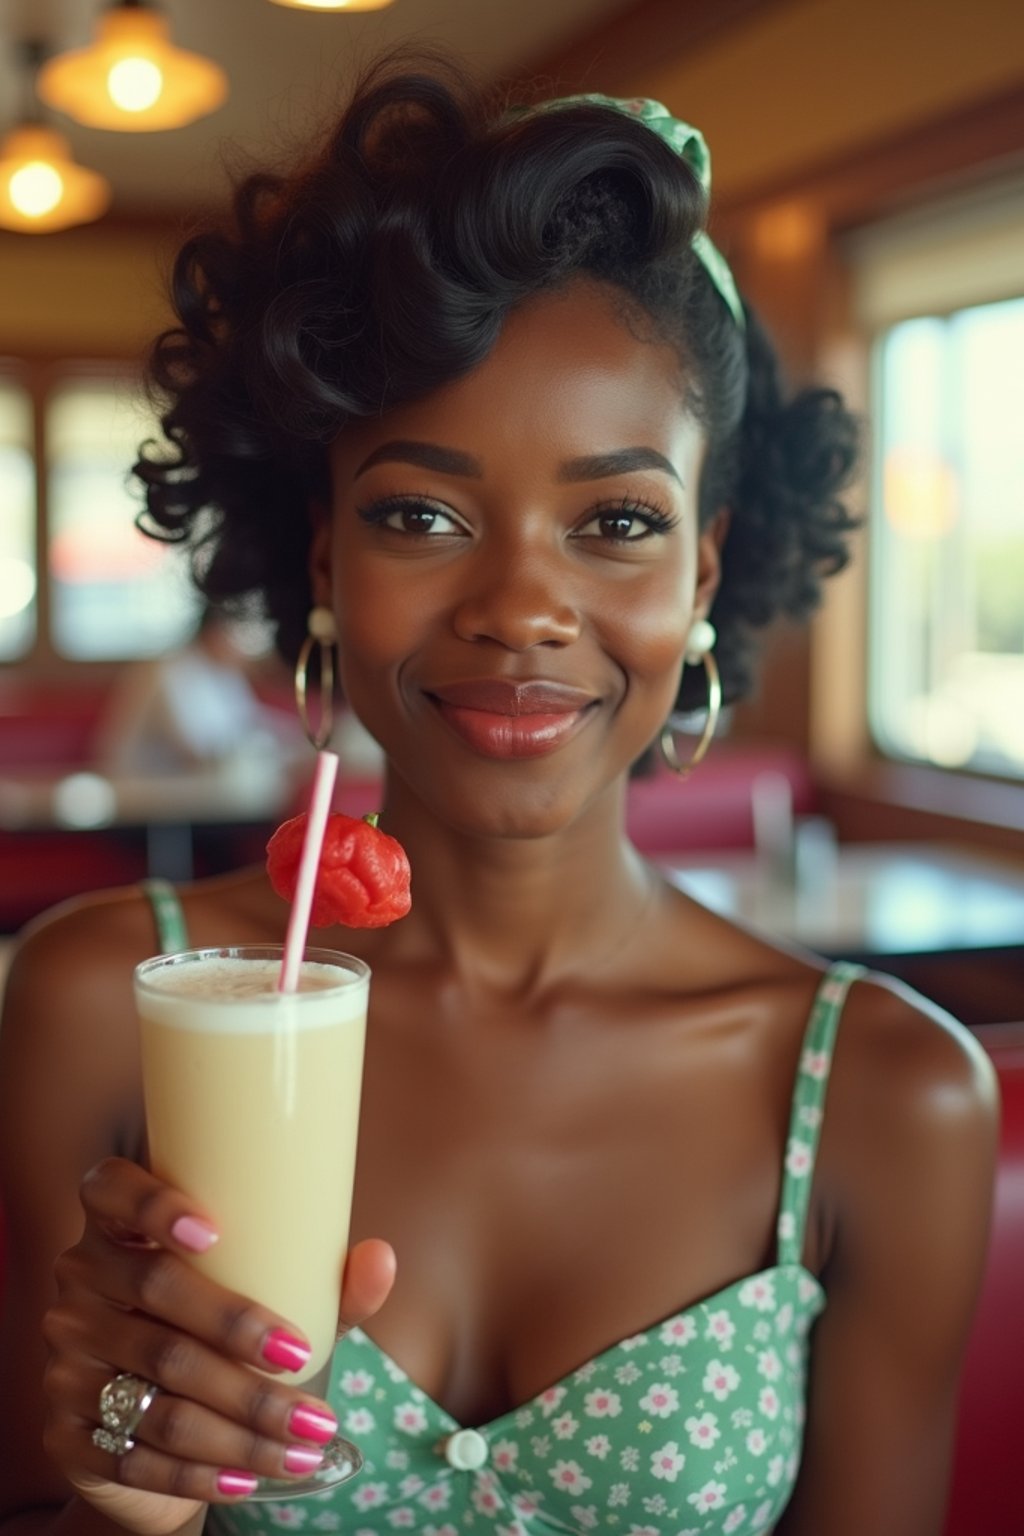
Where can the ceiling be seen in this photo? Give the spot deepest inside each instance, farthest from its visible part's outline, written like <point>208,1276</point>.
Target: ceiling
<point>287,69</point>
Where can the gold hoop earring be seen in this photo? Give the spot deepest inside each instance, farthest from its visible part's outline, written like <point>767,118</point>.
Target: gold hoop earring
<point>699,648</point>
<point>322,634</point>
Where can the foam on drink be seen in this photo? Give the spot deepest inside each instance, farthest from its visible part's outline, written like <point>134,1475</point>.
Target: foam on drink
<point>226,979</point>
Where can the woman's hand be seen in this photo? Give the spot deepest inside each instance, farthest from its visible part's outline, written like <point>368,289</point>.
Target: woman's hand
<point>129,1301</point>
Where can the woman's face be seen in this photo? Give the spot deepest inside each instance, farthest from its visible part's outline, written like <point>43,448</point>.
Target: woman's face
<point>514,564</point>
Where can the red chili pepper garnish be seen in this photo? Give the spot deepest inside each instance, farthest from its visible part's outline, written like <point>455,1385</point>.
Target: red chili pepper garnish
<point>363,879</point>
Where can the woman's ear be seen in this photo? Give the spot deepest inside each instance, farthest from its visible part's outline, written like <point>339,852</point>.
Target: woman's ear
<point>710,542</point>
<point>320,583</point>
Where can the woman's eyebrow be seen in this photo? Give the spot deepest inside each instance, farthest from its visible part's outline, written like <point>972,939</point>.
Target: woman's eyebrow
<point>447,461</point>
<point>601,466</point>
<point>452,461</point>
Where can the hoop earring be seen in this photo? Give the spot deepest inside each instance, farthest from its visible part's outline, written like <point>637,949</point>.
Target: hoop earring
<point>322,634</point>
<point>699,648</point>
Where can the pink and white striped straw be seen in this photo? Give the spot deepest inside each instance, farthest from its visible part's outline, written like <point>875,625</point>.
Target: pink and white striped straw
<point>312,845</point>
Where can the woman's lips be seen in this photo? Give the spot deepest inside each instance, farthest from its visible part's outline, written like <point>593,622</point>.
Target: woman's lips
<point>505,719</point>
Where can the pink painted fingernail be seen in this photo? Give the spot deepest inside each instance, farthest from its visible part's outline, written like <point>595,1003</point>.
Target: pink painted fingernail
<point>195,1235</point>
<point>299,1458</point>
<point>311,1424</point>
<point>238,1483</point>
<point>281,1348</point>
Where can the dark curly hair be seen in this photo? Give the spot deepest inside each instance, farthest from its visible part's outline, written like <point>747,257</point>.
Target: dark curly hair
<point>386,266</point>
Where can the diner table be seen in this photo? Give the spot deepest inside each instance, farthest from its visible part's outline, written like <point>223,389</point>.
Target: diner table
<point>167,807</point>
<point>851,900</point>
<point>867,900</point>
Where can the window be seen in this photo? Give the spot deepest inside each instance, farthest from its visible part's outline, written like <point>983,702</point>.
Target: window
<point>947,661</point>
<point>943,294</point>
<point>114,593</point>
<point>17,523</point>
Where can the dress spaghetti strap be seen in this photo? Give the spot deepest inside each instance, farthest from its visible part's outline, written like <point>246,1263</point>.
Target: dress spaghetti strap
<point>171,931</point>
<point>808,1107</point>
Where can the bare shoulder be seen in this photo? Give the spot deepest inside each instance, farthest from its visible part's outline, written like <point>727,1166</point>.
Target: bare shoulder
<point>904,1191</point>
<point>907,1069</point>
<point>910,1136</point>
<point>70,1077</point>
<point>88,947</point>
<point>75,957</point>
<point>903,1066</point>
<point>68,1057</point>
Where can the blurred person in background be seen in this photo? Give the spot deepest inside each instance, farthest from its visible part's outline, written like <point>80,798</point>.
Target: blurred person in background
<point>194,708</point>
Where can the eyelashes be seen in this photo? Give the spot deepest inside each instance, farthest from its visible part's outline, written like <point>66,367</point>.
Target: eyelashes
<point>623,521</point>
<point>615,518</point>
<point>417,513</point>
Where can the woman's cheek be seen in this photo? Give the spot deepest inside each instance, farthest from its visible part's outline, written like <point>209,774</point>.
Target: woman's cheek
<point>649,630</point>
<point>379,617</point>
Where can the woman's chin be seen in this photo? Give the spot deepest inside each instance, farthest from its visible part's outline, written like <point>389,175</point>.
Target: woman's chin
<point>510,810</point>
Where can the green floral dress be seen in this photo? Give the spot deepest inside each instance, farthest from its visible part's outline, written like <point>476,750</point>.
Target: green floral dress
<point>691,1428</point>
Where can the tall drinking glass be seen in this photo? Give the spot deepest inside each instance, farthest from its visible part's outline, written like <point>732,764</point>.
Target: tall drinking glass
<point>252,1108</point>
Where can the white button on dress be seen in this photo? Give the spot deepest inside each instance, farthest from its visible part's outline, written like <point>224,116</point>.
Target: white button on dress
<point>466,1450</point>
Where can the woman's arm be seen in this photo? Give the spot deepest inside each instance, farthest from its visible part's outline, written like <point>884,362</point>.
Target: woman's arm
<point>912,1121</point>
<point>65,1085</point>
<point>97,1271</point>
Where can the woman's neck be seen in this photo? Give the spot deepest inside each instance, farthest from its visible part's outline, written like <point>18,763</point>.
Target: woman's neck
<point>518,914</point>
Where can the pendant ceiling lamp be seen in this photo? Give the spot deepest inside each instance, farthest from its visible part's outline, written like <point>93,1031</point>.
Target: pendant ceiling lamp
<point>334,5</point>
<point>132,77</point>
<point>42,189</point>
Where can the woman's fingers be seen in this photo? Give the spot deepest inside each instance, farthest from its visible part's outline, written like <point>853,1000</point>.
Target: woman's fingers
<point>138,1231</point>
<point>131,1301</point>
<point>134,1208</point>
<point>181,1430</point>
<point>150,1471</point>
<point>369,1276</point>
<point>185,1371</point>
<point>162,1286</point>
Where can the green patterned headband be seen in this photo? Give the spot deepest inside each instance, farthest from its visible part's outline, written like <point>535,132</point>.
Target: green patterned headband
<point>688,143</point>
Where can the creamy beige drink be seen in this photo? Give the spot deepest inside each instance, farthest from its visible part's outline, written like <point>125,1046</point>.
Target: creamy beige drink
<point>252,1107</point>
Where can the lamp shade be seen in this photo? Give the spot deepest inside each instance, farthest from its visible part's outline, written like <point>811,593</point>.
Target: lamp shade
<point>132,77</point>
<point>41,187</point>
<point>334,5</point>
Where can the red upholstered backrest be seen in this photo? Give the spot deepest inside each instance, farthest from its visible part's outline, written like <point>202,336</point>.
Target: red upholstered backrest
<point>714,809</point>
<point>987,1496</point>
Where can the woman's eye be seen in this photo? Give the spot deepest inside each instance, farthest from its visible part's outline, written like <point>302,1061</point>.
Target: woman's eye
<point>413,517</point>
<point>625,524</point>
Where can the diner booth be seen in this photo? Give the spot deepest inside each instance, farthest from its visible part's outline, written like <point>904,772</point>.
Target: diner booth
<point>868,801</point>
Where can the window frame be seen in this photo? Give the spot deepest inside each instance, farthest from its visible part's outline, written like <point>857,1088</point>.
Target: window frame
<point>971,249</point>
<point>813,687</point>
<point>40,374</point>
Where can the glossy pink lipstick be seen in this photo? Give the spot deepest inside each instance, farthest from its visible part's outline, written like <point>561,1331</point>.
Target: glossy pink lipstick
<point>504,719</point>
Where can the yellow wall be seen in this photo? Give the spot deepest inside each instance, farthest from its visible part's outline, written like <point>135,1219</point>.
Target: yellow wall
<point>793,86</point>
<point>807,81</point>
<point>93,290</point>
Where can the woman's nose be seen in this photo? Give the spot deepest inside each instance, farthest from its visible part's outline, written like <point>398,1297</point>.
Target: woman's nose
<point>518,601</point>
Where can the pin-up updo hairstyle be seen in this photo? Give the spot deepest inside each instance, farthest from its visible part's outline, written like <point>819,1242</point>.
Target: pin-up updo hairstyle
<point>385,266</point>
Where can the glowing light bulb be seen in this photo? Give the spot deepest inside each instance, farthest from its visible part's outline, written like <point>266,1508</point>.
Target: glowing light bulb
<point>42,189</point>
<point>134,84</point>
<point>35,189</point>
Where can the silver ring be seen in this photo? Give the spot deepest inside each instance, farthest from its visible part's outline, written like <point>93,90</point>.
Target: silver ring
<point>123,1402</point>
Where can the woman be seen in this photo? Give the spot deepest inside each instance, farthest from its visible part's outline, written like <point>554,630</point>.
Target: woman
<point>477,384</point>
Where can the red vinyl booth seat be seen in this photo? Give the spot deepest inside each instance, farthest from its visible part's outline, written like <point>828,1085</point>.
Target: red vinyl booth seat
<point>987,1495</point>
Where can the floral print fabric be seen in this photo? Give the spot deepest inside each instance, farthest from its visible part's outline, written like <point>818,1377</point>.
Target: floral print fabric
<point>691,1428</point>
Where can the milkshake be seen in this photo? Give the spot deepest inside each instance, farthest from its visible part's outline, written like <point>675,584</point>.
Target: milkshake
<point>252,1107</point>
